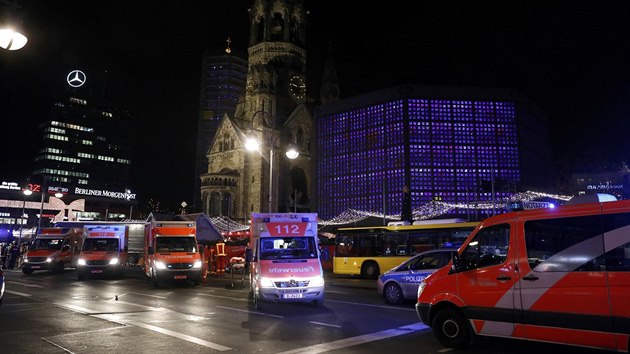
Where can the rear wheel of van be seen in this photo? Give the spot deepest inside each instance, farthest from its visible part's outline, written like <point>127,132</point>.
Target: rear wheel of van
<point>370,270</point>
<point>393,294</point>
<point>451,329</point>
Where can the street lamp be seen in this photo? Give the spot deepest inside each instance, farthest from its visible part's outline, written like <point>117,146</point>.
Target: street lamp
<point>252,144</point>
<point>11,38</point>
<point>44,190</point>
<point>26,192</point>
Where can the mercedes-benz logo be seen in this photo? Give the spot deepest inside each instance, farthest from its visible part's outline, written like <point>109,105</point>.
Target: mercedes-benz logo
<point>76,78</point>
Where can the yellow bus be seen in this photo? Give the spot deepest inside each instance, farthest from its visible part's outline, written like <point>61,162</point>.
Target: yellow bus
<point>366,251</point>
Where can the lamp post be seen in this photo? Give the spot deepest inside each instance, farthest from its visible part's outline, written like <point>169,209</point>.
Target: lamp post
<point>44,191</point>
<point>252,144</point>
<point>26,192</point>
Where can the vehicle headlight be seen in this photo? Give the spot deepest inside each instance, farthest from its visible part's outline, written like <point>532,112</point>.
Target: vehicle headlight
<point>81,262</point>
<point>49,259</point>
<point>317,281</point>
<point>160,265</point>
<point>25,260</point>
<point>113,260</point>
<point>266,283</point>
<point>197,265</point>
<point>421,288</point>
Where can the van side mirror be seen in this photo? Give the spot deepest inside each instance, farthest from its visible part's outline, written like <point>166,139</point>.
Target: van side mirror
<point>150,250</point>
<point>65,248</point>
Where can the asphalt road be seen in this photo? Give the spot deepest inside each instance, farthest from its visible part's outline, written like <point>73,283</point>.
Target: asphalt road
<point>55,313</point>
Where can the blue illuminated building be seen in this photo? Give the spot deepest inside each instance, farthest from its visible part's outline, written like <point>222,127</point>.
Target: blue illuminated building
<point>447,143</point>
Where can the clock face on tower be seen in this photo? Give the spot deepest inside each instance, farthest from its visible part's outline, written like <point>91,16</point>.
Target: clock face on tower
<point>297,87</point>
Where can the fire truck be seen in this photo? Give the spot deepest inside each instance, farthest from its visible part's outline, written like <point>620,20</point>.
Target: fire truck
<point>286,266</point>
<point>104,252</point>
<point>54,248</point>
<point>171,252</point>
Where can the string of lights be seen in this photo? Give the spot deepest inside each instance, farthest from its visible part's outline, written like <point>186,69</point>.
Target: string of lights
<point>427,211</point>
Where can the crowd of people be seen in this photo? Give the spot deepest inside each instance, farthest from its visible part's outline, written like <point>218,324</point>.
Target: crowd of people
<point>10,254</point>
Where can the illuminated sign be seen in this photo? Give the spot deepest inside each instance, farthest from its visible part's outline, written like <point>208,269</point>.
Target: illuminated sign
<point>529,205</point>
<point>10,185</point>
<point>105,193</point>
<point>604,186</point>
<point>76,78</point>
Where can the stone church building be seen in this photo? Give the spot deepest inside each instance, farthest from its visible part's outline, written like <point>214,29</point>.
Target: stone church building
<point>275,115</point>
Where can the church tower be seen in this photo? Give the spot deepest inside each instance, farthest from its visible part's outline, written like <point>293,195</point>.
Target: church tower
<point>274,114</point>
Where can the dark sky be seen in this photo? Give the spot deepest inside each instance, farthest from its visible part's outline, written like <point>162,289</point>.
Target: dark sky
<point>570,57</point>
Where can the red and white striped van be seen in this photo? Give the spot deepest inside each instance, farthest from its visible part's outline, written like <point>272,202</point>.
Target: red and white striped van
<point>553,275</point>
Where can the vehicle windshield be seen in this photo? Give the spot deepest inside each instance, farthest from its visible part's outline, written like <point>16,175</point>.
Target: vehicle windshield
<point>175,244</point>
<point>288,248</point>
<point>100,244</point>
<point>51,244</point>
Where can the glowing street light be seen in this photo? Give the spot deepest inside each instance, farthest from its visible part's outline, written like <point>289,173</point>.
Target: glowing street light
<point>11,38</point>
<point>252,144</point>
<point>26,192</point>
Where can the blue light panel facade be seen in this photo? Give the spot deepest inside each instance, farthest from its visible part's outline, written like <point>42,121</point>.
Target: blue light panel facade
<point>454,147</point>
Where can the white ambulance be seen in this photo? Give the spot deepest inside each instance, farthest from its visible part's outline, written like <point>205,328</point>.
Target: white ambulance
<point>286,265</point>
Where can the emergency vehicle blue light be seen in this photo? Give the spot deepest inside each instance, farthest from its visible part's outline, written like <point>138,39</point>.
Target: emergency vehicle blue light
<point>551,205</point>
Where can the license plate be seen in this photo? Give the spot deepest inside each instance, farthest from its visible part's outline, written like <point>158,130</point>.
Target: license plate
<point>180,277</point>
<point>35,267</point>
<point>292,296</point>
<point>97,271</point>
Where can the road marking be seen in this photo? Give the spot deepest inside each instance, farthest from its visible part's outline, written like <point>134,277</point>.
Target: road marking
<point>445,350</point>
<point>152,308</point>
<point>76,308</point>
<point>25,284</point>
<point>117,319</point>
<point>222,297</point>
<point>17,293</point>
<point>250,312</point>
<point>325,324</point>
<point>58,346</point>
<point>141,294</point>
<point>379,306</point>
<point>353,341</point>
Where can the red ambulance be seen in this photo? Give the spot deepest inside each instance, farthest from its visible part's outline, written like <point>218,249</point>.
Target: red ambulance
<point>286,266</point>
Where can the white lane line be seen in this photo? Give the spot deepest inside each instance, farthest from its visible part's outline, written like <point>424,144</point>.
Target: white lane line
<point>24,284</point>
<point>250,312</point>
<point>58,346</point>
<point>90,331</point>
<point>445,350</point>
<point>141,294</point>
<point>151,308</point>
<point>17,293</point>
<point>76,308</point>
<point>353,341</point>
<point>222,297</point>
<point>379,306</point>
<point>215,346</point>
<point>325,324</point>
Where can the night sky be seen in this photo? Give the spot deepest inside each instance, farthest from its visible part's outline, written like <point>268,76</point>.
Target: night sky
<point>571,57</point>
